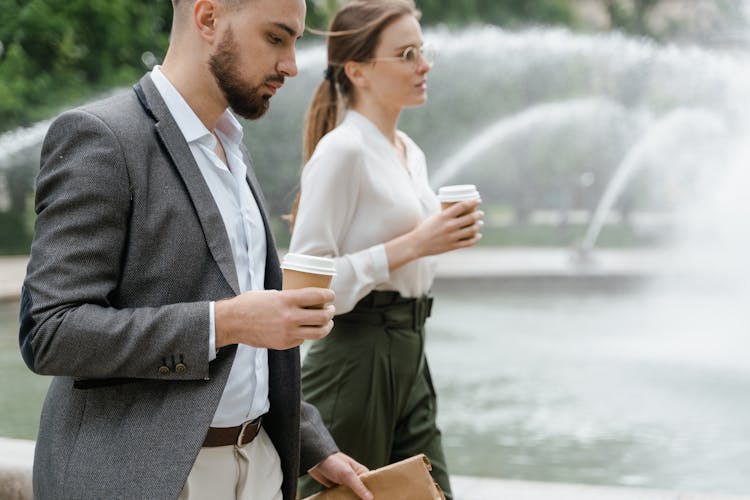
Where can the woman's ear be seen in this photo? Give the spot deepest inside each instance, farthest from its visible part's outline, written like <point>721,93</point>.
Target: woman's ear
<point>357,74</point>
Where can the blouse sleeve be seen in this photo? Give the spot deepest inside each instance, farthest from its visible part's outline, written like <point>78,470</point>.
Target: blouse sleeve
<point>330,187</point>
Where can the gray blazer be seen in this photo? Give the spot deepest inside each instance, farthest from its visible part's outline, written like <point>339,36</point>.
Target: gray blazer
<point>129,248</point>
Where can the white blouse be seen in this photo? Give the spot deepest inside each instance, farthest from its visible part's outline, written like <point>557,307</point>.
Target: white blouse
<point>356,194</point>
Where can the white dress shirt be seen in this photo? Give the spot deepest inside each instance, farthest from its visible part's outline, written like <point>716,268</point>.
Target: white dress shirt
<point>356,194</point>
<point>245,396</point>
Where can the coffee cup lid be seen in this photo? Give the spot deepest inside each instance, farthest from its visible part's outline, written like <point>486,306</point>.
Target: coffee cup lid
<point>309,264</point>
<point>459,192</point>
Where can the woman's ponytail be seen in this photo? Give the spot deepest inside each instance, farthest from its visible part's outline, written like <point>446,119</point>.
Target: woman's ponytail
<point>322,115</point>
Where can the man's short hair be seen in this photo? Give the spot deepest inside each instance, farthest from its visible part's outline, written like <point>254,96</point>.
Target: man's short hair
<point>232,4</point>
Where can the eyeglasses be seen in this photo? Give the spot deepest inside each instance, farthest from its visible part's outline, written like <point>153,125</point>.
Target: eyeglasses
<point>411,55</point>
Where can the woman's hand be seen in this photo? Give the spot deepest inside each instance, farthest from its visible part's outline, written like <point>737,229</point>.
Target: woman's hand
<point>442,232</point>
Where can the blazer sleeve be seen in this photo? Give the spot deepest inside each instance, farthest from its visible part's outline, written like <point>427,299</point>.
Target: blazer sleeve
<point>316,443</point>
<point>68,326</point>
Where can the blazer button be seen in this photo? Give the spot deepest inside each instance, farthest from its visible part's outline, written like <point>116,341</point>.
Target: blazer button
<point>180,368</point>
<point>164,370</point>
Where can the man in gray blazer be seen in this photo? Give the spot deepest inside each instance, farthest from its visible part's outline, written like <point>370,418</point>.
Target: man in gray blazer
<point>152,289</point>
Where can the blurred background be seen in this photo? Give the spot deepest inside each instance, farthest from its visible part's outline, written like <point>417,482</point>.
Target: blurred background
<point>599,334</point>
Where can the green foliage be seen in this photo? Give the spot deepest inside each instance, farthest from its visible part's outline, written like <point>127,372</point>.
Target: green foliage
<point>631,18</point>
<point>452,12</point>
<point>62,51</point>
<point>319,13</point>
<point>504,12</point>
<point>16,238</point>
<point>16,223</point>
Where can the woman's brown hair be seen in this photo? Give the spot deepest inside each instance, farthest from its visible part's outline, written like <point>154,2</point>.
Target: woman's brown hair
<point>353,35</point>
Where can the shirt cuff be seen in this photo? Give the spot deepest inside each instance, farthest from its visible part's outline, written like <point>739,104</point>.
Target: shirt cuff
<point>379,261</point>
<point>211,332</point>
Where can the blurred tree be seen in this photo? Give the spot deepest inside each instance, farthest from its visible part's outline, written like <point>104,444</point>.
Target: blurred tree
<point>16,233</point>
<point>57,52</point>
<point>677,19</point>
<point>505,12</point>
<point>501,12</point>
<point>60,51</point>
<point>631,17</point>
<point>319,12</point>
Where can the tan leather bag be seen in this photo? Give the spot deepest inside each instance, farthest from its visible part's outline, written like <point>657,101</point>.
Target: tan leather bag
<point>409,479</point>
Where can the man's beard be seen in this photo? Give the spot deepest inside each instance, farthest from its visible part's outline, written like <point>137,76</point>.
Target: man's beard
<point>244,99</point>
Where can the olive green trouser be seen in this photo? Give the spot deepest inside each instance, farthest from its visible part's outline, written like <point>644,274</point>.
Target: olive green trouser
<point>370,381</point>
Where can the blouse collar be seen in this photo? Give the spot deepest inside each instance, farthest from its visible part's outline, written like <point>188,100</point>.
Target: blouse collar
<point>361,122</point>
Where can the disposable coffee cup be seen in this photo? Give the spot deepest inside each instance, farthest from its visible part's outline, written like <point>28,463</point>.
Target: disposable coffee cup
<point>450,195</point>
<point>303,271</point>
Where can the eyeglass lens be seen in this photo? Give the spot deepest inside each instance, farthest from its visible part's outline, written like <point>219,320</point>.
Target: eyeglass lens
<point>411,54</point>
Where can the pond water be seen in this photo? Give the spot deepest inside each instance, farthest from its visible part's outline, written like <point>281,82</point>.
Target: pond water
<point>634,388</point>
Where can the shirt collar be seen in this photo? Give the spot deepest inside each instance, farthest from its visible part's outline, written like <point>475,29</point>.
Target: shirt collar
<point>230,128</point>
<point>190,125</point>
<point>363,123</point>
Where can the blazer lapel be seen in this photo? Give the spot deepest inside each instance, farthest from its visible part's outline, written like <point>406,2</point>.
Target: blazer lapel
<point>205,206</point>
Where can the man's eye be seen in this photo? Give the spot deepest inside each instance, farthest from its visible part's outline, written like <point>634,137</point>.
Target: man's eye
<point>275,40</point>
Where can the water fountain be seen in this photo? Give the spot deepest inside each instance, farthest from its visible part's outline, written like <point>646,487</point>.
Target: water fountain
<point>533,120</point>
<point>18,146</point>
<point>660,147</point>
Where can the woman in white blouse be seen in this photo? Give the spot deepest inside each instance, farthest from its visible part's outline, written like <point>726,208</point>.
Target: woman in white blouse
<point>365,200</point>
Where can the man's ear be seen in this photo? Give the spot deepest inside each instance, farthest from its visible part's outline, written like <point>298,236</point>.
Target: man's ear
<point>356,74</point>
<point>204,18</point>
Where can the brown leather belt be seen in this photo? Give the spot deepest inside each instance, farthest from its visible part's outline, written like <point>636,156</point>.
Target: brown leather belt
<point>238,435</point>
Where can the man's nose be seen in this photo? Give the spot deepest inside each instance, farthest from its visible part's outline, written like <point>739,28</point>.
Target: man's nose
<point>288,65</point>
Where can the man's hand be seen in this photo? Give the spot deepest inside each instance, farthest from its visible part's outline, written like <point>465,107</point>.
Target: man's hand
<point>273,319</point>
<point>342,469</point>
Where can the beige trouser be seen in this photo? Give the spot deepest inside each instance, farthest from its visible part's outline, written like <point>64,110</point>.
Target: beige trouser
<point>250,472</point>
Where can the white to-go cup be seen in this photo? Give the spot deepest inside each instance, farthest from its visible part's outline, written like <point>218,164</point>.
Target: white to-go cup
<point>450,195</point>
<point>302,271</point>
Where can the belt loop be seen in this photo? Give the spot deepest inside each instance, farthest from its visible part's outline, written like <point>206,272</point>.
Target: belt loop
<point>238,444</point>
<point>415,315</point>
<point>419,309</point>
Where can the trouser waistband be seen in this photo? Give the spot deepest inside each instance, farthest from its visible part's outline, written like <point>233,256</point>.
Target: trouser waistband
<point>391,309</point>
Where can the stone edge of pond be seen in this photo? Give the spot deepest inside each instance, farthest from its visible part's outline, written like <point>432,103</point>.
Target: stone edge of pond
<point>16,458</point>
<point>12,272</point>
<point>17,455</point>
<point>525,266</point>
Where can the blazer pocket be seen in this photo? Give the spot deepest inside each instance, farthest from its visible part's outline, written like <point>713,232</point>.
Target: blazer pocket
<point>97,383</point>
